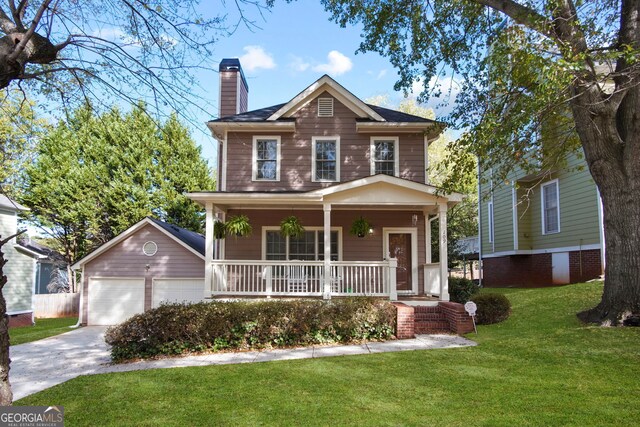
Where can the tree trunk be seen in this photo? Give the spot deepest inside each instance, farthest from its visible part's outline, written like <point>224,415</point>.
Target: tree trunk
<point>6,396</point>
<point>610,136</point>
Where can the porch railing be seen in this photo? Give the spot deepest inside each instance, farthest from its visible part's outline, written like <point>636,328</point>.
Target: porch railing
<point>303,278</point>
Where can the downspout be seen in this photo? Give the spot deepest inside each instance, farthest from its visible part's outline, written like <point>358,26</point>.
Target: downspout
<point>79,322</point>
<point>480,270</point>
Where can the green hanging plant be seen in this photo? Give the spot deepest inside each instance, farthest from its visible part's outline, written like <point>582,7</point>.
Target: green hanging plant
<point>219,230</point>
<point>290,226</point>
<point>360,227</point>
<point>238,225</point>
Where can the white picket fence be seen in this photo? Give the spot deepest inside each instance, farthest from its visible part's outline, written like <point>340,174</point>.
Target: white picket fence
<point>56,305</point>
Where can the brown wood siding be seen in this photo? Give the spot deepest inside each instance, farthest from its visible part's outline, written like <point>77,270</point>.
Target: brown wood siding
<point>353,248</point>
<point>126,259</point>
<point>296,155</point>
<point>228,93</point>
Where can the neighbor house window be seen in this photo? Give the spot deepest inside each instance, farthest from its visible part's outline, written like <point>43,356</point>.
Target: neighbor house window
<point>550,207</point>
<point>326,158</point>
<point>490,220</point>
<point>384,156</point>
<point>308,247</point>
<point>266,158</point>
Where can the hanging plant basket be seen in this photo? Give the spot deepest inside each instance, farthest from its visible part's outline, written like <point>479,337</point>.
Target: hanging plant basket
<point>360,227</point>
<point>290,226</point>
<point>219,230</point>
<point>238,225</point>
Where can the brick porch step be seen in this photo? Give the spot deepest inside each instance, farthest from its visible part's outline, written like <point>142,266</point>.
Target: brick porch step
<point>432,327</point>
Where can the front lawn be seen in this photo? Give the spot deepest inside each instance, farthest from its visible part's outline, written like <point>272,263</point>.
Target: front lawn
<point>541,367</point>
<point>43,328</point>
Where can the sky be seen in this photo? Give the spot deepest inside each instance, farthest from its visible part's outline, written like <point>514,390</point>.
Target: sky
<point>295,45</point>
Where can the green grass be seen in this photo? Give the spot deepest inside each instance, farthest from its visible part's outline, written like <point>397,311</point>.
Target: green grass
<point>539,368</point>
<point>43,328</point>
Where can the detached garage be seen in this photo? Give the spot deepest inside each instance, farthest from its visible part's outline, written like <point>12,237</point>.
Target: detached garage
<point>150,263</point>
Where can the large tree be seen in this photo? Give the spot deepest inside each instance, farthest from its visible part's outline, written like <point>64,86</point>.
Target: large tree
<point>95,175</point>
<point>94,50</point>
<point>522,65</point>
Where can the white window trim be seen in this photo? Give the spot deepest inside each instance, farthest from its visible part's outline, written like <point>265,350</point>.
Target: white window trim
<point>254,157</point>
<point>490,220</point>
<point>275,228</point>
<point>396,153</point>
<point>314,139</point>
<point>544,225</point>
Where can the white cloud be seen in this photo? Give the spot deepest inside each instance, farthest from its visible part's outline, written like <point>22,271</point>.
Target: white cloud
<point>381,74</point>
<point>255,58</point>
<point>444,102</point>
<point>298,64</point>
<point>337,64</point>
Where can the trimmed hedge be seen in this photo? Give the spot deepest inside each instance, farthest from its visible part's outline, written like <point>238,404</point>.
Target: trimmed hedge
<point>211,326</point>
<point>461,290</point>
<point>492,308</point>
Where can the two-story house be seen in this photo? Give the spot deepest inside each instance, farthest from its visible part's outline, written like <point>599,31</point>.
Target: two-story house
<point>328,159</point>
<point>542,228</point>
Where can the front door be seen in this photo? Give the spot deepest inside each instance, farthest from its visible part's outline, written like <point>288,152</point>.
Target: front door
<point>400,248</point>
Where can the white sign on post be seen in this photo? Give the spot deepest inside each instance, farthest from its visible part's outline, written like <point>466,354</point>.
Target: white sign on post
<point>471,308</point>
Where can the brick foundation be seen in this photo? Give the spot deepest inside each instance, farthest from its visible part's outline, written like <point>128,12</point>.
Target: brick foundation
<point>24,319</point>
<point>535,270</point>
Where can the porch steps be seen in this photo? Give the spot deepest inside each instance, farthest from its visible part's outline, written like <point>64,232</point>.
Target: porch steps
<point>430,320</point>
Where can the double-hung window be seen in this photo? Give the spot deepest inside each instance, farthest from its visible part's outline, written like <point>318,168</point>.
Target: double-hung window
<point>308,247</point>
<point>384,156</point>
<point>266,158</point>
<point>550,207</point>
<point>326,159</point>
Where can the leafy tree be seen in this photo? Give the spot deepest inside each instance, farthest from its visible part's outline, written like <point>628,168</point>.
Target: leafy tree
<point>19,131</point>
<point>96,175</point>
<point>522,64</point>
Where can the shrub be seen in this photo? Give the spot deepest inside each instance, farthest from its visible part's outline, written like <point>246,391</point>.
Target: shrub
<point>492,308</point>
<point>461,290</point>
<point>210,326</point>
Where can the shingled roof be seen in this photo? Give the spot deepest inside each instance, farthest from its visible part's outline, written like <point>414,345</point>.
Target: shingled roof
<point>262,114</point>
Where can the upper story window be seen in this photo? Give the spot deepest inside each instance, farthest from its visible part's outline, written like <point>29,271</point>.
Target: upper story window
<point>550,207</point>
<point>266,158</point>
<point>325,107</point>
<point>326,159</point>
<point>384,156</point>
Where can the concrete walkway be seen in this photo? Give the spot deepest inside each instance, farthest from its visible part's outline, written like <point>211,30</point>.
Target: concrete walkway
<point>42,364</point>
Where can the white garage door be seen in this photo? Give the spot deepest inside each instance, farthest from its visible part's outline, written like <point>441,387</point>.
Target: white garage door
<point>177,290</point>
<point>114,300</point>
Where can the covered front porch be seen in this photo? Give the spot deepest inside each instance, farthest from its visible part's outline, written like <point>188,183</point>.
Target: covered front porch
<point>393,260</point>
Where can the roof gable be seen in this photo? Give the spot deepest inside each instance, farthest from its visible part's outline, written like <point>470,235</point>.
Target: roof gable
<point>183,237</point>
<point>326,84</point>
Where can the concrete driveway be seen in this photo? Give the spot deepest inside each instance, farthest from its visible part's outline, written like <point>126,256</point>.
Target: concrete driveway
<point>38,365</point>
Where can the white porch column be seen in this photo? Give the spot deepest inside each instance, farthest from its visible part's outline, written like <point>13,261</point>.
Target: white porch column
<point>327,251</point>
<point>427,237</point>
<point>208,251</point>
<point>444,272</point>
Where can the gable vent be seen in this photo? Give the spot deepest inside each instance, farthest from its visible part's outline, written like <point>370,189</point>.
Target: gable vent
<point>325,107</point>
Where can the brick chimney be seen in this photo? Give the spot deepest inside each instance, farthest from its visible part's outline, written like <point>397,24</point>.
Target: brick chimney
<point>234,92</point>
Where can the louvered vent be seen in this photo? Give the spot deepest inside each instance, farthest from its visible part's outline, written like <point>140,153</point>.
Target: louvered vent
<point>325,107</point>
